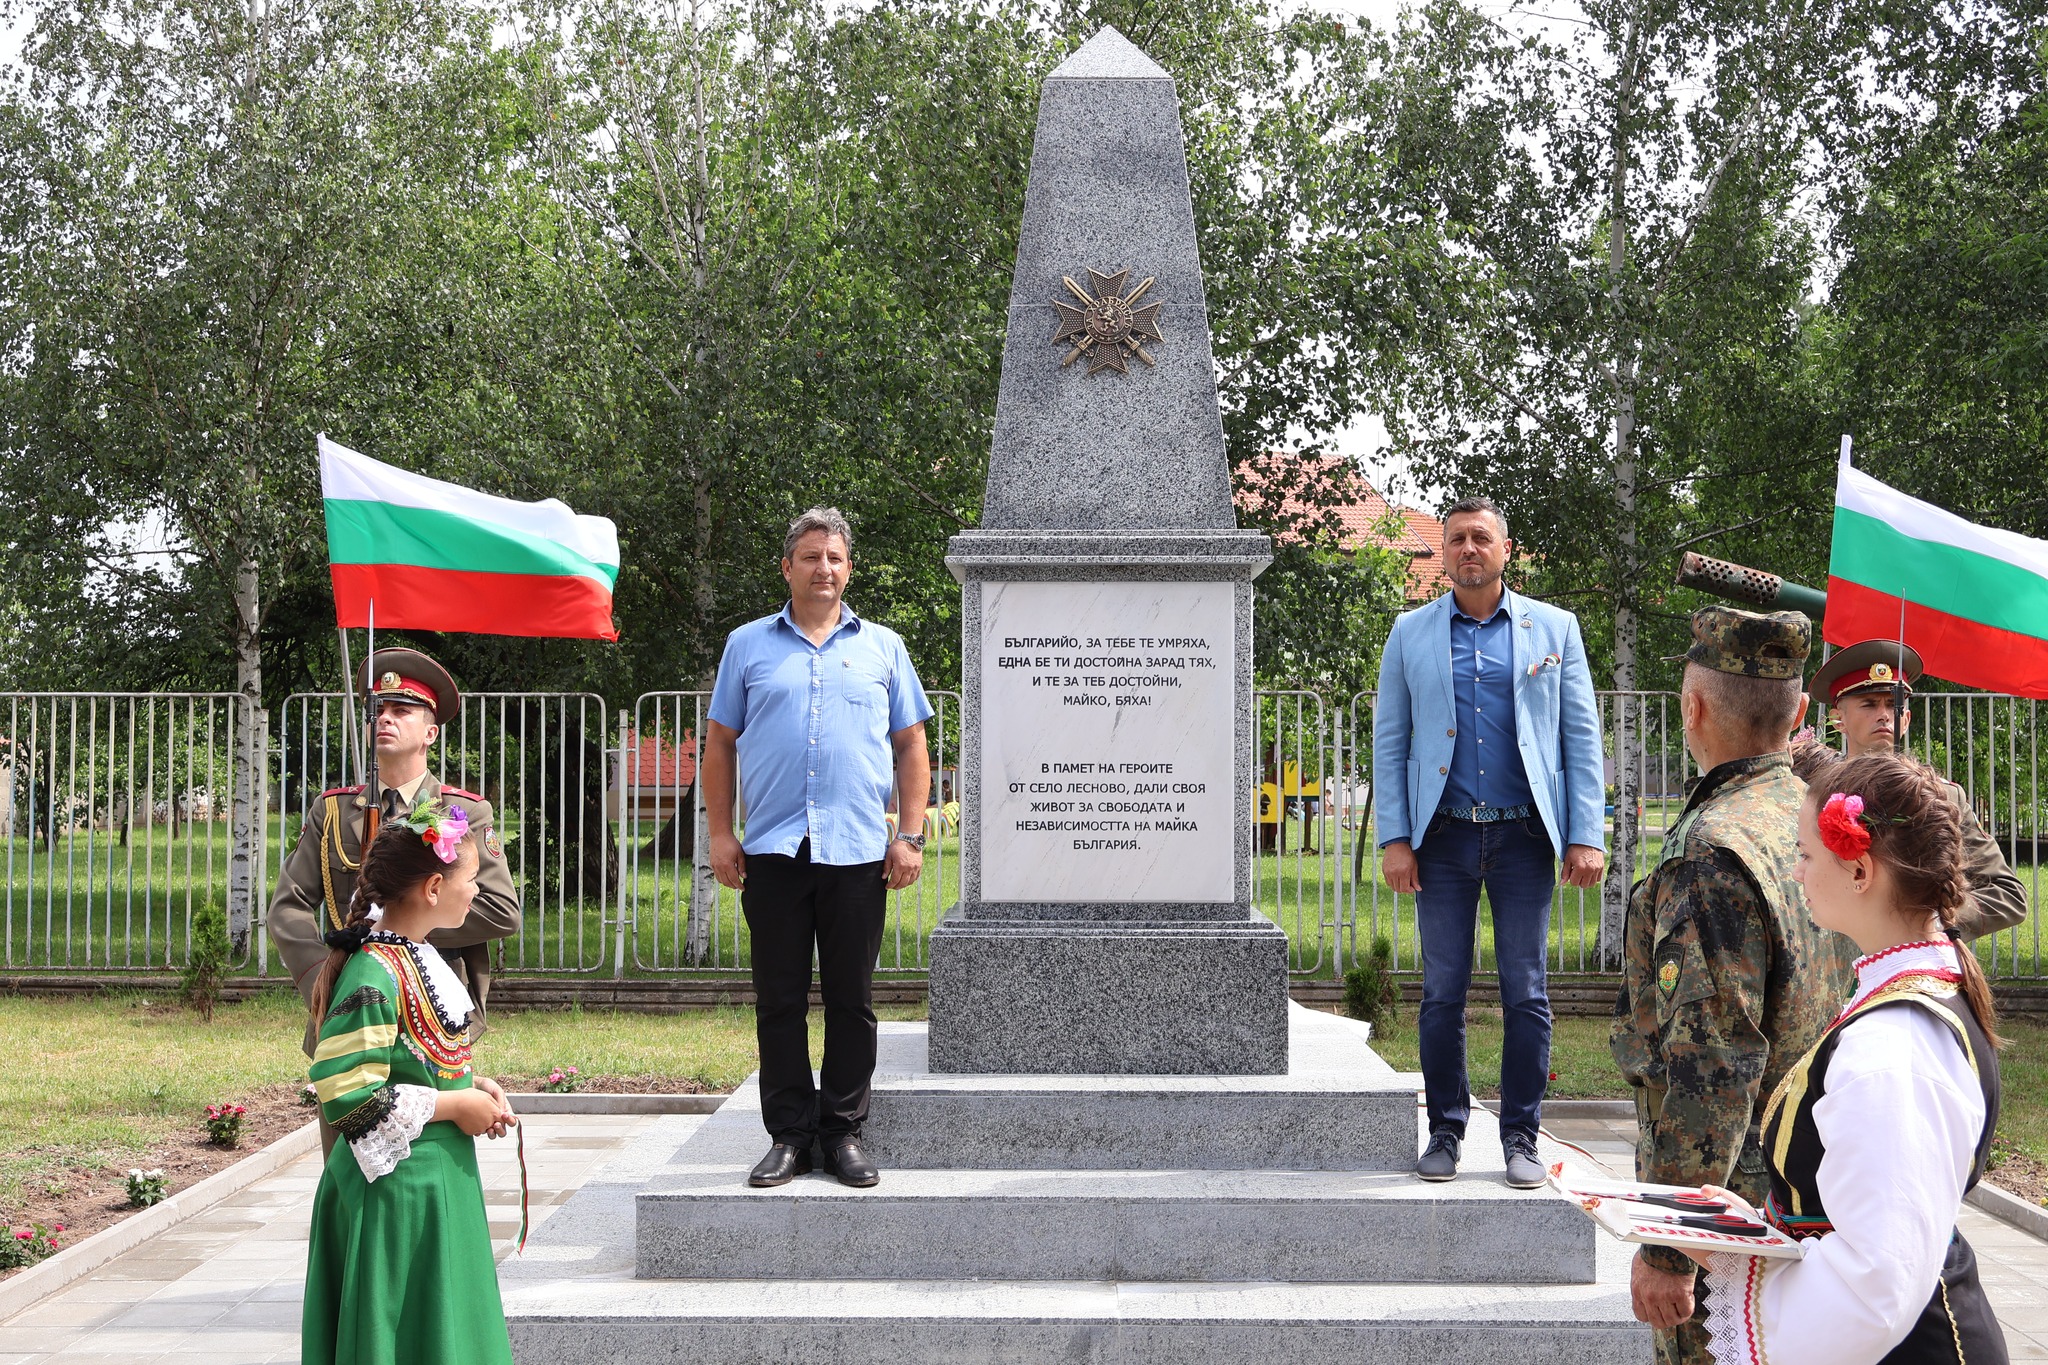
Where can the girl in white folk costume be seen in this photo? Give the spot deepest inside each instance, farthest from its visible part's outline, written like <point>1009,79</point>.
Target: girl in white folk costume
<point>400,1270</point>
<point>1875,1136</point>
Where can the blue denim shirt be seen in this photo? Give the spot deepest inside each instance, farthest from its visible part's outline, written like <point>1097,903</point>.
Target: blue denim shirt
<point>1486,764</point>
<point>814,723</point>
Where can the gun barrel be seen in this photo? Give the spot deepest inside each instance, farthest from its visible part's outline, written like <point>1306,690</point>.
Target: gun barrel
<point>1739,583</point>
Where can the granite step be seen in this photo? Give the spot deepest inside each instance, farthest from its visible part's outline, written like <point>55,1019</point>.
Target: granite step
<point>573,1299</point>
<point>1339,1107</point>
<point>753,1322</point>
<point>696,1218</point>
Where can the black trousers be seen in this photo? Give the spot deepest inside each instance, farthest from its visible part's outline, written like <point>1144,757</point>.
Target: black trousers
<point>792,903</point>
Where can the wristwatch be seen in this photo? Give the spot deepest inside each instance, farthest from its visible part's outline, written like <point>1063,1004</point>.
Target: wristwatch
<point>916,841</point>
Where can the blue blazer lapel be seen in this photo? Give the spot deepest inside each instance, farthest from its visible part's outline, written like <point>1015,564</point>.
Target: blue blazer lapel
<point>1440,650</point>
<point>1524,631</point>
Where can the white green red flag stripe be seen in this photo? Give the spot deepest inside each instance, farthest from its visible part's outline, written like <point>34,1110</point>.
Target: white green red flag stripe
<point>437,556</point>
<point>1975,598</point>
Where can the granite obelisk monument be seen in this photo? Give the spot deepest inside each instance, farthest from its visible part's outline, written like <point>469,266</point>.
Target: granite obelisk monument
<point>1105,923</point>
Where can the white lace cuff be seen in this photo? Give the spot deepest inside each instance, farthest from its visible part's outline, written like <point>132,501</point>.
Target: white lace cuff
<point>1735,1297</point>
<point>379,1151</point>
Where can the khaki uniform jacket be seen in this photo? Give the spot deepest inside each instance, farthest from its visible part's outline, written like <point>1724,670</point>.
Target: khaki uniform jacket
<point>329,854</point>
<point>1998,897</point>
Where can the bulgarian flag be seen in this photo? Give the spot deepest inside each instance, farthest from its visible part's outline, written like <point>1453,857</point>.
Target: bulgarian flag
<point>437,556</point>
<point>1975,599</point>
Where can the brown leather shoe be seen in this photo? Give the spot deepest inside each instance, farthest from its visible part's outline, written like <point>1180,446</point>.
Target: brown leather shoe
<point>783,1164</point>
<point>847,1161</point>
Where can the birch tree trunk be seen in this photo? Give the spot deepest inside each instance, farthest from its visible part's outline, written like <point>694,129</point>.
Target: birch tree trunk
<point>1626,360</point>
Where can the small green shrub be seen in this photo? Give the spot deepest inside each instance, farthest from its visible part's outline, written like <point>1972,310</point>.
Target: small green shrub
<point>206,964</point>
<point>1370,991</point>
<point>147,1187</point>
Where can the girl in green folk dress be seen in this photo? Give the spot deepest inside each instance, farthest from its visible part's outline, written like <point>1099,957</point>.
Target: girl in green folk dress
<point>400,1269</point>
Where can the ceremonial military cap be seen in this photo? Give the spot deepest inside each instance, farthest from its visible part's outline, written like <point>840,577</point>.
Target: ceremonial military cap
<point>406,675</point>
<point>1750,643</point>
<point>1865,665</point>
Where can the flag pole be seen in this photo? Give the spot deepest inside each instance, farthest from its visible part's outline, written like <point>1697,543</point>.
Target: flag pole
<point>1899,686</point>
<point>348,702</point>
<point>370,772</point>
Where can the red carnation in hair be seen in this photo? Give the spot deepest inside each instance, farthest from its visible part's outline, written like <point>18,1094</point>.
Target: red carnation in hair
<point>1842,828</point>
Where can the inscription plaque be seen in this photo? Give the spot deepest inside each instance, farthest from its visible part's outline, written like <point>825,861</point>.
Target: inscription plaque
<point>1107,722</point>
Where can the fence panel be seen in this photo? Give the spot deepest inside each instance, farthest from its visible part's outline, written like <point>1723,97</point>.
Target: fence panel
<point>679,918</point>
<point>1296,844</point>
<point>542,760</point>
<point>1990,747</point>
<point>1651,748</point>
<point>117,814</point>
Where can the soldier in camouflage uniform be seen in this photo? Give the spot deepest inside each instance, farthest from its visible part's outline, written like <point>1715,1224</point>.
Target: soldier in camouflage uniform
<point>1726,981</point>
<point>1858,685</point>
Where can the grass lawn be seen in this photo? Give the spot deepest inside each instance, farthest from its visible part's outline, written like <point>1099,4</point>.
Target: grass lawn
<point>110,1083</point>
<point>103,1085</point>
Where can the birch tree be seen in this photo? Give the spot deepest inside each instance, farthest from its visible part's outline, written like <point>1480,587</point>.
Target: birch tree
<point>1604,220</point>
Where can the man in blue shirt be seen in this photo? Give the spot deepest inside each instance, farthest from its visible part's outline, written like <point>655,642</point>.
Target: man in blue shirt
<point>1486,767</point>
<point>816,711</point>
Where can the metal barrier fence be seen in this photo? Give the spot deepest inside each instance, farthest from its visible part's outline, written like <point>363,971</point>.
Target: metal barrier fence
<point>117,811</point>
<point>118,814</point>
<point>1646,768</point>
<point>680,918</point>
<point>541,759</point>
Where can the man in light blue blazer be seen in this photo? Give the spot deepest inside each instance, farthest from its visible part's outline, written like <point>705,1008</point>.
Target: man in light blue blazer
<point>1486,772</point>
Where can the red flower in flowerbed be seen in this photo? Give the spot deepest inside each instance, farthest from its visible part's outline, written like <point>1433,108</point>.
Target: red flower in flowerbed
<point>224,1124</point>
<point>28,1245</point>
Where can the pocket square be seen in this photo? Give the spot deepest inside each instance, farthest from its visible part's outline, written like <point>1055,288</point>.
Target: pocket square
<point>1547,661</point>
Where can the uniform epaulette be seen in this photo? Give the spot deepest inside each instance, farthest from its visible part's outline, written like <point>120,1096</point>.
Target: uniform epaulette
<point>457,791</point>
<point>343,791</point>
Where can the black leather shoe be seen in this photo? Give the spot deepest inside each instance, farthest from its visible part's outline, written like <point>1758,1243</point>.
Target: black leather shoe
<point>1439,1160</point>
<point>851,1164</point>
<point>783,1164</point>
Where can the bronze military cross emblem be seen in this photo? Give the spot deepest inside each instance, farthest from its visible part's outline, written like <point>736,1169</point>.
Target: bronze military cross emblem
<point>1108,327</point>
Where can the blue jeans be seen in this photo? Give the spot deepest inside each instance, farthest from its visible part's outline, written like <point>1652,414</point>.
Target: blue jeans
<point>1513,860</point>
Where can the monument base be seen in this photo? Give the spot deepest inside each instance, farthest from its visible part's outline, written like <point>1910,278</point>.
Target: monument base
<point>987,1241</point>
<point>1160,998</point>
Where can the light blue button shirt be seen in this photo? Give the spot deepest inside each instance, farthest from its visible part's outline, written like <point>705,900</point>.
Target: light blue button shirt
<point>814,723</point>
<point>1486,762</point>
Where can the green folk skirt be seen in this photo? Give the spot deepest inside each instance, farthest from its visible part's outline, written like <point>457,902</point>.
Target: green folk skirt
<point>399,1271</point>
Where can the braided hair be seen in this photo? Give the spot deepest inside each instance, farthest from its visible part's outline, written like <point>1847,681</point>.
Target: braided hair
<point>1916,831</point>
<point>398,860</point>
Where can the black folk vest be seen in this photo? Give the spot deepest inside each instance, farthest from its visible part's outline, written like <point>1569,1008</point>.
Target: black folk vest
<point>1957,1327</point>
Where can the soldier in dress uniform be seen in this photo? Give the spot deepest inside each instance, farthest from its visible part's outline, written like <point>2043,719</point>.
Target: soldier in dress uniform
<point>1862,685</point>
<point>1726,980</point>
<point>407,694</point>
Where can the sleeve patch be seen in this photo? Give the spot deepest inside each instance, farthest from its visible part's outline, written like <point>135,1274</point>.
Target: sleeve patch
<point>361,998</point>
<point>492,844</point>
<point>1682,977</point>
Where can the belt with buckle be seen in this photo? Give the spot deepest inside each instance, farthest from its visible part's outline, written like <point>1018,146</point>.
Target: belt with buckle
<point>1487,815</point>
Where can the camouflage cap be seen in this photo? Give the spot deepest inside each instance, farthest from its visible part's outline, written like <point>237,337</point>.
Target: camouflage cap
<point>1750,643</point>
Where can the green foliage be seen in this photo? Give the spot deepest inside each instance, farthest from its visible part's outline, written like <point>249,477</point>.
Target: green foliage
<point>1371,991</point>
<point>147,1187</point>
<point>23,1247</point>
<point>206,962</point>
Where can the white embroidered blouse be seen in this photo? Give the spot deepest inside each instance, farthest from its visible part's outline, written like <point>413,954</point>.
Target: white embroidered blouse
<point>1899,1125</point>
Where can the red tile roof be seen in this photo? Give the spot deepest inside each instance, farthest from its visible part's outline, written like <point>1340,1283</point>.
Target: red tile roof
<point>655,762</point>
<point>1360,511</point>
